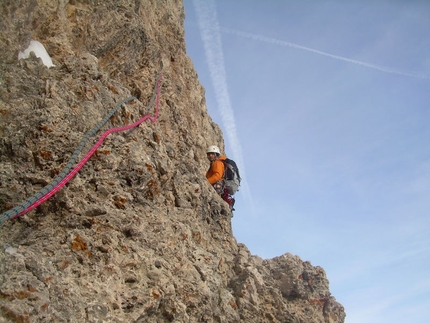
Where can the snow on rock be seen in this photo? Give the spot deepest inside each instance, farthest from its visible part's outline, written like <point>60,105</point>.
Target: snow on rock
<point>39,50</point>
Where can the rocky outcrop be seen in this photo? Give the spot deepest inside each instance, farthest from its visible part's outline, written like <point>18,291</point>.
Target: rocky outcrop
<point>138,235</point>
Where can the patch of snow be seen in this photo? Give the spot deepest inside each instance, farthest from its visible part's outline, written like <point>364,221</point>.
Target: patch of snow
<point>39,50</point>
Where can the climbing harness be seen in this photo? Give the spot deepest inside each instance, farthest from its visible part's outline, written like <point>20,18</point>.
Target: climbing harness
<point>219,187</point>
<point>66,175</point>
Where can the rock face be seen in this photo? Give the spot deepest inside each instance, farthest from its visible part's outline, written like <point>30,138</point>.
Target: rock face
<point>138,235</point>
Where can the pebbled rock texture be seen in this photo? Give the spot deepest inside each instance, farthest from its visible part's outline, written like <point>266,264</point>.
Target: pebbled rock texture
<point>138,235</point>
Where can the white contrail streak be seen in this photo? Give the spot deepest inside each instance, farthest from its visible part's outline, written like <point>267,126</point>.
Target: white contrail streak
<point>211,36</point>
<point>295,46</point>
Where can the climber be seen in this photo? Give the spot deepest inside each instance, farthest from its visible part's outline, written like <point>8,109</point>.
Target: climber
<point>216,172</point>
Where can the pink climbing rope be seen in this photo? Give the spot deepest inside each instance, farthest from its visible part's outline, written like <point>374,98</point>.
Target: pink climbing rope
<point>72,173</point>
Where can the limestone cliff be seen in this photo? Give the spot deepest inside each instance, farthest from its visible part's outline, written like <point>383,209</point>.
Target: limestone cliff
<point>138,235</point>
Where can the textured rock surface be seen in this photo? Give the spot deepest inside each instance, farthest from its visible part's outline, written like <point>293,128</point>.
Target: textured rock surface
<point>138,235</point>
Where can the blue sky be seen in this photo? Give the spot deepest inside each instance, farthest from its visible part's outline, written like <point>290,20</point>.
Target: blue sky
<point>325,107</point>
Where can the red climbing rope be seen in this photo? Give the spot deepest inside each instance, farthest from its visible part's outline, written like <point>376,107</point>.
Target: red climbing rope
<point>91,152</point>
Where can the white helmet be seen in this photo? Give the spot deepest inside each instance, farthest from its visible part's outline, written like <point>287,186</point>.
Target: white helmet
<point>213,149</point>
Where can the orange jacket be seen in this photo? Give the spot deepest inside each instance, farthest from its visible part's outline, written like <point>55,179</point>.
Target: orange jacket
<point>215,172</point>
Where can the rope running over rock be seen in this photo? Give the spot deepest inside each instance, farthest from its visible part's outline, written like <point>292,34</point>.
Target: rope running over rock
<point>65,176</point>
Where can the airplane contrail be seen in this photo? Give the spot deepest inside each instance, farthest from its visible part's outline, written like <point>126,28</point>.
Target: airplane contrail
<point>315,51</point>
<point>211,36</point>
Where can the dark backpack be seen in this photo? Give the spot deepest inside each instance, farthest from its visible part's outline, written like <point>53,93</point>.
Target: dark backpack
<point>231,176</point>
